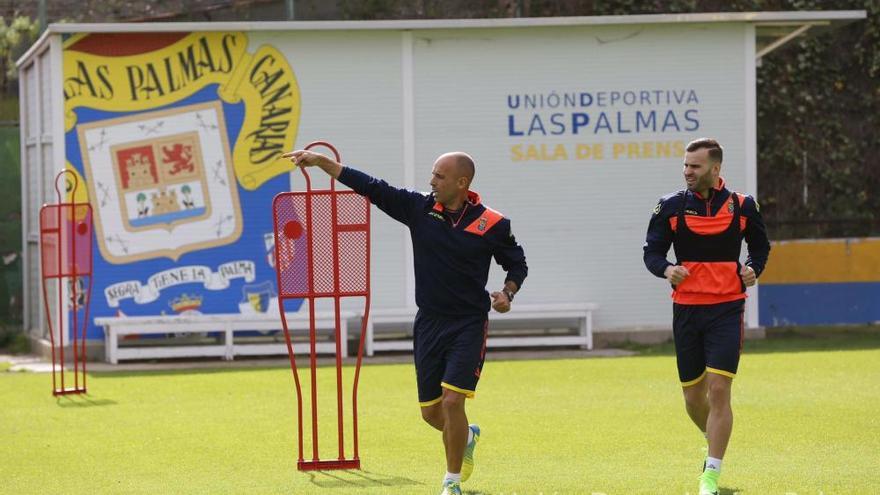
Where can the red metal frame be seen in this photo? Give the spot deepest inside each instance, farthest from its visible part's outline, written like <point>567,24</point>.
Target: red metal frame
<point>291,285</point>
<point>66,255</point>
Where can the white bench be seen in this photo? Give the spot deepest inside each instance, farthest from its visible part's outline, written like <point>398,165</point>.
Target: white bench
<point>577,316</point>
<point>297,323</point>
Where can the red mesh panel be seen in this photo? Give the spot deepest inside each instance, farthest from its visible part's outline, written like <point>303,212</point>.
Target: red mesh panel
<point>353,216</point>
<point>352,209</point>
<point>80,228</point>
<point>59,226</point>
<point>322,243</point>
<point>352,263</point>
<point>289,211</point>
<point>49,240</point>
<point>291,239</point>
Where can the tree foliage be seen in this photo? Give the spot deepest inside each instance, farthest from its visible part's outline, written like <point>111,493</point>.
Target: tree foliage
<point>15,36</point>
<point>818,125</point>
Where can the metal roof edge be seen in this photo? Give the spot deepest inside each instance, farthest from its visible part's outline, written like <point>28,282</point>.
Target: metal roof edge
<point>412,24</point>
<point>832,16</point>
<point>38,45</point>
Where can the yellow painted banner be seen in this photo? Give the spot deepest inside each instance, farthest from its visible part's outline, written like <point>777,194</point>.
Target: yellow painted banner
<point>823,261</point>
<point>262,80</point>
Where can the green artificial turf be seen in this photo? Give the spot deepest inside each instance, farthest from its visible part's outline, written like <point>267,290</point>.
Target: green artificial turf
<point>806,422</point>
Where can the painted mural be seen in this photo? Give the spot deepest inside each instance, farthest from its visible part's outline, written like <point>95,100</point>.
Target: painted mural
<point>177,137</point>
<point>822,282</point>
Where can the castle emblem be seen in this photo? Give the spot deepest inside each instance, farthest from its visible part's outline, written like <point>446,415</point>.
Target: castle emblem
<point>162,181</point>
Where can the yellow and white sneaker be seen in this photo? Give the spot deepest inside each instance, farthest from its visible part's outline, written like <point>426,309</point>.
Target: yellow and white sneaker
<point>451,487</point>
<point>467,465</point>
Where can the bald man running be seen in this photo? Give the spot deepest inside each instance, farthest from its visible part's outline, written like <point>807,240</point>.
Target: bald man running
<point>454,239</point>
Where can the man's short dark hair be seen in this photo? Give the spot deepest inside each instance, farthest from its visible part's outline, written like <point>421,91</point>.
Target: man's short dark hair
<point>716,152</point>
<point>466,165</point>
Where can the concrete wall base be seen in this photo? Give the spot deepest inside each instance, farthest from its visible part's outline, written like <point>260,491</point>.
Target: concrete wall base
<point>43,348</point>
<point>602,339</point>
<point>609,338</point>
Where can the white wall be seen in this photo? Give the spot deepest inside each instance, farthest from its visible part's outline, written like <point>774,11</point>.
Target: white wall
<point>582,222</point>
<point>39,167</point>
<point>350,85</point>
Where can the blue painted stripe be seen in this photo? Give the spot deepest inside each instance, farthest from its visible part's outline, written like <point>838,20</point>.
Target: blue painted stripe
<point>819,304</point>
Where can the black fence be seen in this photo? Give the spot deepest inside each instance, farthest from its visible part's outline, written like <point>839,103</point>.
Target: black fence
<point>821,228</point>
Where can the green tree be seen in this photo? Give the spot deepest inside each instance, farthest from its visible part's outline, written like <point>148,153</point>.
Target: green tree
<point>10,228</point>
<point>15,37</point>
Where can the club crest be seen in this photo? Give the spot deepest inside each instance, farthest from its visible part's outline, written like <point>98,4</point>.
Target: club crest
<point>168,193</point>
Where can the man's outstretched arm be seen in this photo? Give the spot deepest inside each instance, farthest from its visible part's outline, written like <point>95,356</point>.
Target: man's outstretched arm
<point>399,204</point>
<point>303,158</point>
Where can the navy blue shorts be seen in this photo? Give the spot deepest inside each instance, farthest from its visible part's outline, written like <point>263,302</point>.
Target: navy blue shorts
<point>708,338</point>
<point>449,353</point>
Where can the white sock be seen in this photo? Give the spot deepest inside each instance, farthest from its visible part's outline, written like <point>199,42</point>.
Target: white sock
<point>470,435</point>
<point>713,464</point>
<point>453,476</point>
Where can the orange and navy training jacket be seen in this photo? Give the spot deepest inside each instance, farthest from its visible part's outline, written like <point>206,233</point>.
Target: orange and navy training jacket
<point>451,252</point>
<point>706,235</point>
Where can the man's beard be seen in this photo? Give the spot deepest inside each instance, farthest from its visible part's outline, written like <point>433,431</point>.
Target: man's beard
<point>701,183</point>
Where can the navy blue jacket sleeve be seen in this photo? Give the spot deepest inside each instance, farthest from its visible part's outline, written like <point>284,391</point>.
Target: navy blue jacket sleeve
<point>509,254</point>
<point>659,237</point>
<point>399,204</point>
<point>755,236</point>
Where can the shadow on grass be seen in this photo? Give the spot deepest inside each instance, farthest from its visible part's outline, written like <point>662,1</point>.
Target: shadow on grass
<point>790,339</point>
<point>729,491</point>
<point>84,400</point>
<point>126,373</point>
<point>166,367</point>
<point>357,478</point>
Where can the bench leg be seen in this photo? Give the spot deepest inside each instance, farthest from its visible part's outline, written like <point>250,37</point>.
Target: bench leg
<point>227,341</point>
<point>588,321</point>
<point>586,332</point>
<point>112,343</point>
<point>369,337</point>
<point>343,335</point>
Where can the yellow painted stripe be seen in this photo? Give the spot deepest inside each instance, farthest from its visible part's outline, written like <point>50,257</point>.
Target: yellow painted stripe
<point>695,380</point>
<point>823,261</point>
<point>468,393</point>
<point>721,372</point>
<point>431,402</point>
